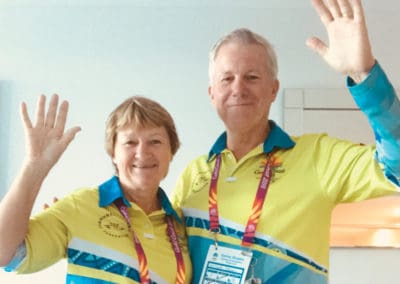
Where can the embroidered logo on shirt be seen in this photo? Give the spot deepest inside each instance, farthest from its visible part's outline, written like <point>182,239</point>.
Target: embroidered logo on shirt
<point>113,226</point>
<point>201,181</point>
<point>277,168</point>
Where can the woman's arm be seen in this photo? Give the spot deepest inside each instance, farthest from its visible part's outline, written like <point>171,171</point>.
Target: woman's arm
<point>46,141</point>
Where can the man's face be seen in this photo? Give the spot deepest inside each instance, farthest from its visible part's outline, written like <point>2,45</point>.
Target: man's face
<point>242,89</point>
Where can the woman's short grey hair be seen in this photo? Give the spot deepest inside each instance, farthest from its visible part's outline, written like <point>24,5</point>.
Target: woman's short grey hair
<point>139,111</point>
<point>247,37</point>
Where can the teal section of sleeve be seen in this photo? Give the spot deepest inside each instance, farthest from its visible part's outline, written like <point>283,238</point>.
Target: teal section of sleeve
<point>377,99</point>
<point>19,257</point>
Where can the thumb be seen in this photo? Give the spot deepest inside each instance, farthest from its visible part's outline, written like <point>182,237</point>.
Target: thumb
<point>317,46</point>
<point>70,134</point>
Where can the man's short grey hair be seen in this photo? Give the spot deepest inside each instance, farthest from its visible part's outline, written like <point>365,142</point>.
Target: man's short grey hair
<point>246,37</point>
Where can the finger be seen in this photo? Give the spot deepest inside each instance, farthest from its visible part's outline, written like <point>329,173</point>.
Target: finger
<point>62,117</point>
<point>317,46</point>
<point>51,112</point>
<point>358,11</point>
<point>46,205</point>
<point>334,8</point>
<point>40,110</point>
<point>25,116</point>
<point>345,8</point>
<point>323,12</point>
<point>40,107</point>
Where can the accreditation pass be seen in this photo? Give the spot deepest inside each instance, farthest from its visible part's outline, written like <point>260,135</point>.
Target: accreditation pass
<point>225,265</point>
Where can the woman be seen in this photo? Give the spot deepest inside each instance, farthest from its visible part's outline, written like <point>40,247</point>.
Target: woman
<point>124,230</point>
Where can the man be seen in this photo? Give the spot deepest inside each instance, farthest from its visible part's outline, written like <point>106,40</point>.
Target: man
<point>258,206</point>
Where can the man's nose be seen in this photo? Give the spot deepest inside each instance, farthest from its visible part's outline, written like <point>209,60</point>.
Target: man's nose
<point>238,86</point>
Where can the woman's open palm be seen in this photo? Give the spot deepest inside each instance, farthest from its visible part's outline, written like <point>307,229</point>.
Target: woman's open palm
<point>46,139</point>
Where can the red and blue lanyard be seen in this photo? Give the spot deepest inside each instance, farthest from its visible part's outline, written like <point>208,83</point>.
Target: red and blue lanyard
<point>258,203</point>
<point>143,266</point>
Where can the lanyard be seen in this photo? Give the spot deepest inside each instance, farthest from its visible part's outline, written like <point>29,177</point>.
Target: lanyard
<point>143,267</point>
<point>257,204</point>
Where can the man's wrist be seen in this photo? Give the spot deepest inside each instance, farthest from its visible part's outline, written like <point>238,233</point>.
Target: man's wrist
<point>360,76</point>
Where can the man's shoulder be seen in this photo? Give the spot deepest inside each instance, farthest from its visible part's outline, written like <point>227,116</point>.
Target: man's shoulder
<point>308,138</point>
<point>200,160</point>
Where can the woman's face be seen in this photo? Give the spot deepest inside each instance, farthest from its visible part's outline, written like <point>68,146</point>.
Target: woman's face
<point>142,156</point>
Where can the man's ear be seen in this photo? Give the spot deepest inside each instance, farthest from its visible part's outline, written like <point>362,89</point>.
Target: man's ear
<point>275,88</point>
<point>211,94</point>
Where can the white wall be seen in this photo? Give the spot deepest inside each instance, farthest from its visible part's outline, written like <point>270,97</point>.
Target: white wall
<point>364,266</point>
<point>97,53</point>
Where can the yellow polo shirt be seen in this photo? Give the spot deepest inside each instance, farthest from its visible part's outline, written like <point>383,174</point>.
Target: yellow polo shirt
<point>90,232</point>
<point>292,240</point>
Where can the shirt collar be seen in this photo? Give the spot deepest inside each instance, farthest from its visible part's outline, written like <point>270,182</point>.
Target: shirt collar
<point>277,138</point>
<point>111,190</point>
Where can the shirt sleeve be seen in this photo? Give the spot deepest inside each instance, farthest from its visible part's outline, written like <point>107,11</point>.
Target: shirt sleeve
<point>377,99</point>
<point>43,246</point>
<point>17,260</point>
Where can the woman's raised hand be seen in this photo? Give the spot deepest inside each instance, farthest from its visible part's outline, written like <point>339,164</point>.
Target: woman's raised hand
<point>46,138</point>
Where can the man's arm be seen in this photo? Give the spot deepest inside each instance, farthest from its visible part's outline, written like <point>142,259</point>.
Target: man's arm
<point>349,52</point>
<point>377,99</point>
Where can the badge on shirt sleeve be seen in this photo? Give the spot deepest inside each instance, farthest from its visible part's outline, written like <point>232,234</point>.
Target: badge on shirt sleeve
<point>225,265</point>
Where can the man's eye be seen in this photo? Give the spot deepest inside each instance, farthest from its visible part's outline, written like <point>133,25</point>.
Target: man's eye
<point>155,142</point>
<point>252,77</point>
<point>226,79</point>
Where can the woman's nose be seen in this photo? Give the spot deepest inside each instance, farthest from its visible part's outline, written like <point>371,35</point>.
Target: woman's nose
<point>142,150</point>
